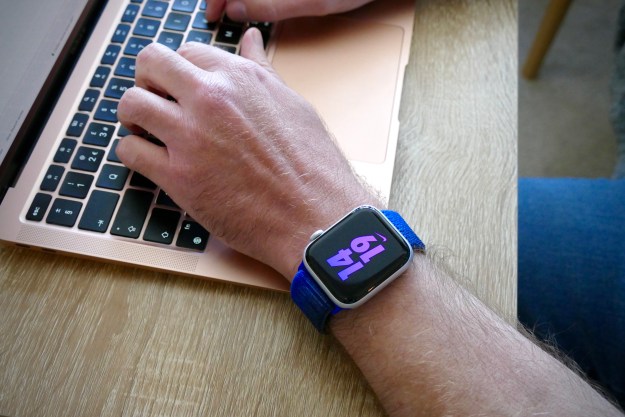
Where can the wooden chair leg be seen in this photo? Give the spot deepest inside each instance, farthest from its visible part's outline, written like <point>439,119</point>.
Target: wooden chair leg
<point>548,28</point>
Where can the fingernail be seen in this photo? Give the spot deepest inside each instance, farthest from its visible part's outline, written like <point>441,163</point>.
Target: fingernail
<point>236,10</point>
<point>252,33</point>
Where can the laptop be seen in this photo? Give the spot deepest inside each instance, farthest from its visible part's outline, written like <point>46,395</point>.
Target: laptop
<point>66,63</point>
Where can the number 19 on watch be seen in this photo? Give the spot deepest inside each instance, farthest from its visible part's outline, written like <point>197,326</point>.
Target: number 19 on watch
<point>361,245</point>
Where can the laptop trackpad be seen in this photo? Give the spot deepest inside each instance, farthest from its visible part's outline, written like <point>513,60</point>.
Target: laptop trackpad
<point>348,70</point>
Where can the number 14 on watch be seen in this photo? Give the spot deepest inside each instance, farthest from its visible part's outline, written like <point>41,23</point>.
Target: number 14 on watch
<point>361,245</point>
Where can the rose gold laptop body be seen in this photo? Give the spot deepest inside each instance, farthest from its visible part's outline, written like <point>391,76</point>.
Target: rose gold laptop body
<point>351,67</point>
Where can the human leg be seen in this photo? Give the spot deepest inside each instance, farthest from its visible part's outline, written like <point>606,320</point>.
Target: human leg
<point>571,288</point>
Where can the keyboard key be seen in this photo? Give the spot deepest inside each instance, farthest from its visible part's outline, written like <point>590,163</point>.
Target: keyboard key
<point>121,33</point>
<point>192,236</point>
<point>89,100</point>
<point>52,178</point>
<point>99,134</point>
<point>170,39</point>
<point>99,211</point>
<point>229,34</point>
<point>136,1</point>
<point>126,67</point>
<point>113,177</point>
<point>107,111</point>
<point>77,125</point>
<point>76,185</point>
<point>184,5</point>
<point>164,199</point>
<point>117,87</point>
<point>231,49</point>
<point>64,212</point>
<point>200,22</point>
<point>139,180</point>
<point>177,21</point>
<point>262,26</point>
<point>100,76</point>
<point>135,45</point>
<point>154,8</point>
<point>110,55</point>
<point>65,150</point>
<point>131,12</point>
<point>132,213</point>
<point>38,207</point>
<point>112,156</point>
<point>146,27</point>
<point>203,5</point>
<point>199,36</point>
<point>123,131</point>
<point>88,159</point>
<point>162,226</point>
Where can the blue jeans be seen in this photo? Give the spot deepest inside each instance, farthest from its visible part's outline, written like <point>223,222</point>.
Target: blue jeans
<point>571,287</point>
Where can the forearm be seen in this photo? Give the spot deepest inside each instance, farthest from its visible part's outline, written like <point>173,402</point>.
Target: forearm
<point>428,347</point>
<point>263,181</point>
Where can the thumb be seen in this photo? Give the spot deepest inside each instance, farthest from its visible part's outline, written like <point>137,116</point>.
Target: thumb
<point>252,48</point>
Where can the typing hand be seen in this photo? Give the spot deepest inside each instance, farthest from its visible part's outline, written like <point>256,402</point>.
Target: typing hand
<point>244,155</point>
<point>273,10</point>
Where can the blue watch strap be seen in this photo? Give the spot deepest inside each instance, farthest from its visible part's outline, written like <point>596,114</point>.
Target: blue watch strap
<point>400,224</point>
<point>314,302</point>
<point>311,299</point>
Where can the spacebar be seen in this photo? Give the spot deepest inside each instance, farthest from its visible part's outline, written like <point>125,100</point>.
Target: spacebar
<point>132,213</point>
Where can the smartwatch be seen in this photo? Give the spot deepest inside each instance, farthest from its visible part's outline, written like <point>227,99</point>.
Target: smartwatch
<point>350,262</point>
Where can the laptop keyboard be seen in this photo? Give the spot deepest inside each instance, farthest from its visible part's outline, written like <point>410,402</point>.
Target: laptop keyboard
<point>86,186</point>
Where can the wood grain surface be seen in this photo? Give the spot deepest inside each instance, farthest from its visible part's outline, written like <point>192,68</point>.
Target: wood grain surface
<point>81,338</point>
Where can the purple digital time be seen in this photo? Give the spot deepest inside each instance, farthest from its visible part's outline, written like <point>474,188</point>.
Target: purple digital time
<point>361,245</point>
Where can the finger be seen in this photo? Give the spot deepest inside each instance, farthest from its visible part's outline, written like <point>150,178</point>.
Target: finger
<point>214,9</point>
<point>243,10</point>
<point>161,69</point>
<point>144,157</point>
<point>274,10</point>
<point>141,110</point>
<point>205,57</point>
<point>252,47</point>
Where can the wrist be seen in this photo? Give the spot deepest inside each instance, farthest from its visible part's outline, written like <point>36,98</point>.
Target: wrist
<point>374,315</point>
<point>348,263</point>
<point>316,215</point>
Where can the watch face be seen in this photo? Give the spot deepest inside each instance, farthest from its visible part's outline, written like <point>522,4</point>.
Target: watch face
<point>357,254</point>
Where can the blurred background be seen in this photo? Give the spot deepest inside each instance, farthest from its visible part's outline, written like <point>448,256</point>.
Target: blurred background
<point>564,127</point>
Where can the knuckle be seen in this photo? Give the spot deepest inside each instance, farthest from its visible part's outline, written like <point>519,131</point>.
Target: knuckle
<point>194,78</point>
<point>213,92</point>
<point>129,107</point>
<point>248,73</point>
<point>187,49</point>
<point>149,53</point>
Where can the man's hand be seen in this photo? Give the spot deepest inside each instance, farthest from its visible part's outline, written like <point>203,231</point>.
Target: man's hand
<point>244,155</point>
<point>273,10</point>
<point>250,160</point>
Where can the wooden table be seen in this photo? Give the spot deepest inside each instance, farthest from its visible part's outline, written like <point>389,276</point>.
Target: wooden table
<point>81,338</point>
